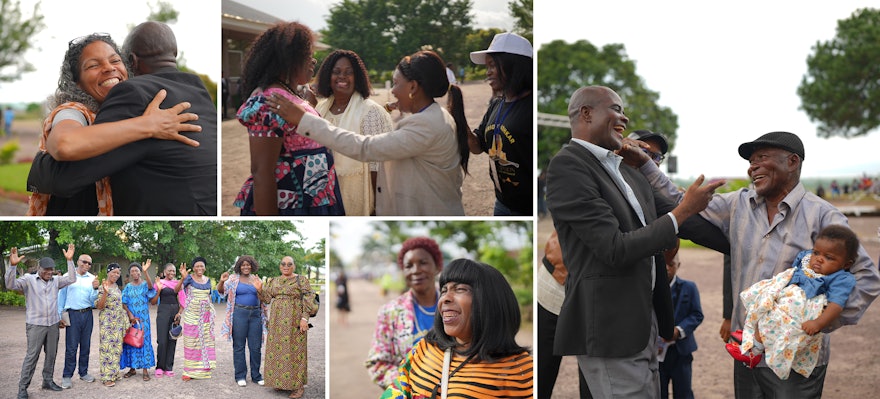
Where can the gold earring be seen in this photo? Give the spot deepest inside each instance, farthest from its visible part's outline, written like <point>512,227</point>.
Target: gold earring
<point>410,96</point>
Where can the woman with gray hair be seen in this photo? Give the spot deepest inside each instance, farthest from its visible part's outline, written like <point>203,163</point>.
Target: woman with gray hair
<point>92,66</point>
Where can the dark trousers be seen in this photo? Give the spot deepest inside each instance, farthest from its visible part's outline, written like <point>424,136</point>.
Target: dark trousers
<point>78,335</point>
<point>247,327</point>
<point>548,364</point>
<point>39,337</point>
<point>165,346</point>
<point>677,368</point>
<point>761,382</point>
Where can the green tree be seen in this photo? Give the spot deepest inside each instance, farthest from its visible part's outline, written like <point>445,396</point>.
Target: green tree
<point>383,31</point>
<point>841,89</point>
<point>564,67</point>
<point>164,12</point>
<point>16,36</point>
<point>521,10</point>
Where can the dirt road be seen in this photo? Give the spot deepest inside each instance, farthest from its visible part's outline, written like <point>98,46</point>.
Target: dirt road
<point>852,371</point>
<point>477,193</point>
<point>14,342</point>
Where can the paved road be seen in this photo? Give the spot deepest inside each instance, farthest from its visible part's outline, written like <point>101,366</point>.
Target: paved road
<point>12,350</point>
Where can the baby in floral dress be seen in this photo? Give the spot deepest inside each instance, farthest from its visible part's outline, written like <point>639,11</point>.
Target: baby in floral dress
<point>786,314</point>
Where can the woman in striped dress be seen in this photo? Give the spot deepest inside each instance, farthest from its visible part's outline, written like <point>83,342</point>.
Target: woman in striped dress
<point>199,358</point>
<point>472,341</point>
<point>112,323</point>
<point>287,344</point>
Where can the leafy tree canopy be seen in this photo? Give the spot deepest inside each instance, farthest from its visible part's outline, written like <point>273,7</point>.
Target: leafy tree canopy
<point>521,10</point>
<point>383,31</point>
<point>841,89</point>
<point>16,37</point>
<point>565,67</point>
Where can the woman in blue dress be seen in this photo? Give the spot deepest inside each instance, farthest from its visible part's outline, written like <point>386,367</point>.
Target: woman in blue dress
<point>136,302</point>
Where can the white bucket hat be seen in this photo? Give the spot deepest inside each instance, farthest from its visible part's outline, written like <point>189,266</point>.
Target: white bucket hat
<point>507,42</point>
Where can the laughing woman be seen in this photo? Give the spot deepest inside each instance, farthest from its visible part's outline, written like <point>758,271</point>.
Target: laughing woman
<point>199,358</point>
<point>472,343</point>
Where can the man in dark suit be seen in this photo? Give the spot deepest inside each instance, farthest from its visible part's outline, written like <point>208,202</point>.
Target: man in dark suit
<point>688,314</point>
<point>612,228</point>
<point>148,177</point>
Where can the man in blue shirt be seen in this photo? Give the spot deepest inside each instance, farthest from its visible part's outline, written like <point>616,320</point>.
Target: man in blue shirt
<point>77,300</point>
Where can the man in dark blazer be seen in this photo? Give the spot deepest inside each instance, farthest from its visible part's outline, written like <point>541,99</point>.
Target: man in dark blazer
<point>148,177</point>
<point>612,228</point>
<point>688,314</point>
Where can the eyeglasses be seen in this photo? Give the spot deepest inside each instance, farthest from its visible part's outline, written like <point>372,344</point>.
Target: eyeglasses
<point>655,156</point>
<point>85,262</point>
<point>98,35</point>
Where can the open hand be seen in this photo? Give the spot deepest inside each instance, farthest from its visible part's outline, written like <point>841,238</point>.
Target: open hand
<point>14,259</point>
<point>166,124</point>
<point>95,283</point>
<point>257,283</point>
<point>147,264</point>
<point>183,271</point>
<point>68,253</point>
<point>286,109</point>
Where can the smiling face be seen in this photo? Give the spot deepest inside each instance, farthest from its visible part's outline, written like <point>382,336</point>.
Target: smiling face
<point>100,68</point>
<point>419,270</point>
<point>342,78</point>
<point>287,266</point>
<point>83,264</point>
<point>607,120</point>
<point>199,269</point>
<point>456,300</point>
<point>135,274</point>
<point>829,256</point>
<point>113,275</point>
<point>771,170</point>
<point>246,268</point>
<point>170,272</point>
<point>493,75</point>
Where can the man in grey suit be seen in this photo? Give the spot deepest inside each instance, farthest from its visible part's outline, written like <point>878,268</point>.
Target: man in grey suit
<point>612,228</point>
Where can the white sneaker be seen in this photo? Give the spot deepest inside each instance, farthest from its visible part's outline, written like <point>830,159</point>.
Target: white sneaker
<point>66,383</point>
<point>242,383</point>
<point>261,383</point>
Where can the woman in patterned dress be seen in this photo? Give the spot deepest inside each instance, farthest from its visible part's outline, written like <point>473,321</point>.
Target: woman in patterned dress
<point>136,302</point>
<point>286,346</point>
<point>292,174</point>
<point>199,358</point>
<point>111,326</point>
<point>405,320</point>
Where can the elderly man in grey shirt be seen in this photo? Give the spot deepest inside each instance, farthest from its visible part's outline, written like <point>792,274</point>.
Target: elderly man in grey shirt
<point>41,315</point>
<point>767,226</point>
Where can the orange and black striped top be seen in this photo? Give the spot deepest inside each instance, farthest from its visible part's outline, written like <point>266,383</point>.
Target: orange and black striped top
<point>420,373</point>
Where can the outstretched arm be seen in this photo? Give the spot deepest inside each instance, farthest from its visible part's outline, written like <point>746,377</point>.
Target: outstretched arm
<point>71,141</point>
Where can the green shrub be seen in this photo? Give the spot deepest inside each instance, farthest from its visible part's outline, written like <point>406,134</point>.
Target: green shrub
<point>8,151</point>
<point>11,298</point>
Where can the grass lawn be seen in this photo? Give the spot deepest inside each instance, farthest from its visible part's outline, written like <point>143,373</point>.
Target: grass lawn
<point>13,177</point>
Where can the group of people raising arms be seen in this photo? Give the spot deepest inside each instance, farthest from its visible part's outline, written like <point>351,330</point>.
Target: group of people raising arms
<point>185,313</point>
<point>345,156</point>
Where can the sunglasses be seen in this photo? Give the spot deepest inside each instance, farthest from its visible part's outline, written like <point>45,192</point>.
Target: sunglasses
<point>655,156</point>
<point>98,35</point>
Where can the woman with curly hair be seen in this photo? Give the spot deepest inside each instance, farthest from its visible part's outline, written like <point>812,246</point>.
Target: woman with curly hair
<point>92,66</point>
<point>404,321</point>
<point>425,157</point>
<point>344,83</point>
<point>291,175</point>
<point>245,321</point>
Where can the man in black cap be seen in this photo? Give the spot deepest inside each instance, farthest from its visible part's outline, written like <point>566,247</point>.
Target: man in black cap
<point>150,177</point>
<point>657,146</point>
<point>41,315</point>
<point>767,226</point>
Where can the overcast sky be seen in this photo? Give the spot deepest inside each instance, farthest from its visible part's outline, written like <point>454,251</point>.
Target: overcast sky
<point>728,69</point>
<point>198,38</point>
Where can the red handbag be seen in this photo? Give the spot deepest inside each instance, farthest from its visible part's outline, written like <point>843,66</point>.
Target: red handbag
<point>134,336</point>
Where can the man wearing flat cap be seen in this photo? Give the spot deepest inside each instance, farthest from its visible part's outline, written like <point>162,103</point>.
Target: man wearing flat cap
<point>767,226</point>
<point>41,315</point>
